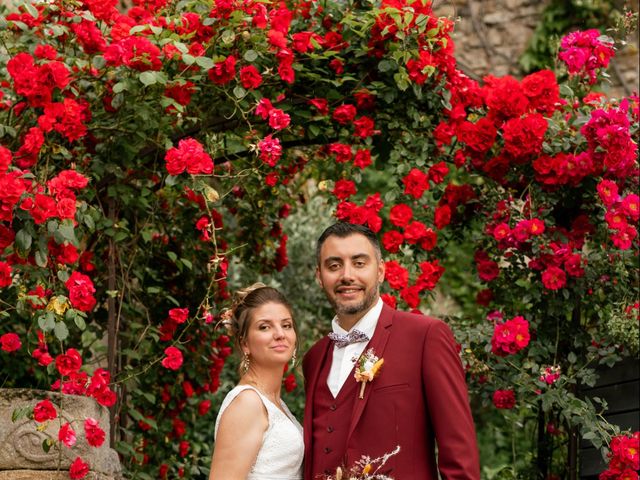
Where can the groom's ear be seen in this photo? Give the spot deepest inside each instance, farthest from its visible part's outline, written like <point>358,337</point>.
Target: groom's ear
<point>318,281</point>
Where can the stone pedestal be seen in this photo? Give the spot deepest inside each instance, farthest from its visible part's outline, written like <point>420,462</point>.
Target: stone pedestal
<point>21,454</point>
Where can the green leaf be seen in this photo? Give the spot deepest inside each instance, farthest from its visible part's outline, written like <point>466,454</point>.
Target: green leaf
<point>120,87</point>
<point>385,66</point>
<point>80,323</point>
<point>148,78</point>
<point>250,55</point>
<point>23,240</point>
<point>21,412</point>
<point>41,258</point>
<point>188,59</point>
<point>172,256</point>
<point>61,331</point>
<point>98,62</point>
<point>47,322</point>
<point>239,92</point>
<point>187,263</point>
<point>46,445</point>
<point>205,62</point>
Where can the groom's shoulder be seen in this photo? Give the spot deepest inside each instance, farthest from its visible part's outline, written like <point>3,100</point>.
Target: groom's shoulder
<point>316,349</point>
<point>416,321</point>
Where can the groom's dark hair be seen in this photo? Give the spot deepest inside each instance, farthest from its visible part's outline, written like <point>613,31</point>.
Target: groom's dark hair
<point>344,230</point>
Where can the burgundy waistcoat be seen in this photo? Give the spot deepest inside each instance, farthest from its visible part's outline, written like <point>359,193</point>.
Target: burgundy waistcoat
<point>331,415</point>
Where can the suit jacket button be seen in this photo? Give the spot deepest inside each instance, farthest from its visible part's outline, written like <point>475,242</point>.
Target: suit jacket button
<point>332,407</point>
<point>329,429</point>
<point>327,450</point>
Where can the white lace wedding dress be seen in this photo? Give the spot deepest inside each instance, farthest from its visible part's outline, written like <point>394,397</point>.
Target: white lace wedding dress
<point>280,456</point>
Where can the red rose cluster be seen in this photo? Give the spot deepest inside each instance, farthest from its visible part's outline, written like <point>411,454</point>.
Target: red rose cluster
<point>624,458</point>
<point>504,399</point>
<point>510,337</point>
<point>585,52</point>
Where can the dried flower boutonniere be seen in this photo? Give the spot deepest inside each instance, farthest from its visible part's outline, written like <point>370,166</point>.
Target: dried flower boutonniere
<point>367,367</point>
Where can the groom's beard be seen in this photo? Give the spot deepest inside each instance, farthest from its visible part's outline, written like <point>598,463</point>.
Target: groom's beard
<point>370,298</point>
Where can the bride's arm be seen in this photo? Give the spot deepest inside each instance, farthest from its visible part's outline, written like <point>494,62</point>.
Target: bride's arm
<point>239,437</point>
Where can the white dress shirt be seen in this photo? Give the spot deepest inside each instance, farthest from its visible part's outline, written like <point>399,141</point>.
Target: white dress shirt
<point>343,358</point>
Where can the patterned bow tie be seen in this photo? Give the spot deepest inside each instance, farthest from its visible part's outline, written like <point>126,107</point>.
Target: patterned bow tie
<point>354,336</point>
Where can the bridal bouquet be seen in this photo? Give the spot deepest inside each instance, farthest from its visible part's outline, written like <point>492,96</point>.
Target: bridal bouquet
<point>365,468</point>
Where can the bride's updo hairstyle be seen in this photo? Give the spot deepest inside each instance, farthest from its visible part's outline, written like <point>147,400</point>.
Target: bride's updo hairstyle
<point>245,302</point>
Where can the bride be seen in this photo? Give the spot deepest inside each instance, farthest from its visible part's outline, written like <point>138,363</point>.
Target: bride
<point>256,436</point>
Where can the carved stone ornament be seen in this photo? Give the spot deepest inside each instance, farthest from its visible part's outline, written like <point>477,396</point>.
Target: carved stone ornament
<point>21,454</point>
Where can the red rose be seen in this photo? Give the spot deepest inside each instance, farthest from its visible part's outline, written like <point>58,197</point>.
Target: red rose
<point>203,407</point>
<point>608,192</point>
<point>479,136</point>
<point>396,275</point>
<point>321,104</point>
<point>223,72</point>
<point>389,300</point>
<point>5,158</point>
<point>510,337</point>
<point>66,435</point>
<point>523,136</point>
<point>66,208</point>
<point>362,158</point>
<point>541,88</point>
<point>504,399</point>
<point>290,383</point>
<point>442,216</point>
<point>484,297</point>
<point>69,362</point>
<point>173,359</point>
<point>344,189</point>
<point>344,114</point>
<point>431,273</point>
<point>250,77</point>
<point>183,448</point>
<point>504,97</point>
<point>341,151</point>
<point>5,274</point>
<point>278,120</point>
<point>179,315</point>
<point>364,127</point>
<point>487,270</point>
<point>270,150</point>
<point>44,411</point>
<point>10,342</point>
<point>415,183</point>
<point>437,172</point>
<point>400,215</point>
<point>415,232</point>
<point>392,240</point>
<point>81,291</point>
<point>95,435</point>
<point>554,278</point>
<point>189,156</point>
<point>78,469</point>
<point>411,296</point>
<point>187,388</point>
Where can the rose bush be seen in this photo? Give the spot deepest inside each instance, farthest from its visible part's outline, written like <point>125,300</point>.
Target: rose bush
<point>146,154</point>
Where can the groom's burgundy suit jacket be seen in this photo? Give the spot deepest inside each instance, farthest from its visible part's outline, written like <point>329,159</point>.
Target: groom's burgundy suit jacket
<point>418,400</point>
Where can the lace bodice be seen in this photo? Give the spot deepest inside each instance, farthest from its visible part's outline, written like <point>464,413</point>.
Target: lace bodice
<point>280,456</point>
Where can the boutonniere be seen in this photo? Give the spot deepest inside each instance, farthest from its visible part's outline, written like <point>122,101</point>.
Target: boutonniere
<point>367,367</point>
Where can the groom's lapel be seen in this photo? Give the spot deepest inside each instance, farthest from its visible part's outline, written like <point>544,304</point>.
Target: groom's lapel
<point>378,343</point>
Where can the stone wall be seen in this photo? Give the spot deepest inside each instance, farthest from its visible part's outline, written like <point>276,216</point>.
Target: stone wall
<point>491,35</point>
<point>21,454</point>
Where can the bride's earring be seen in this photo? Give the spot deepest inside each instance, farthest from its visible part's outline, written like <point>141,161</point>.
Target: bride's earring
<point>294,359</point>
<point>244,364</point>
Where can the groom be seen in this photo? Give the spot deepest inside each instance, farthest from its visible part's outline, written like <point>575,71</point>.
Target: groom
<point>418,400</point>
